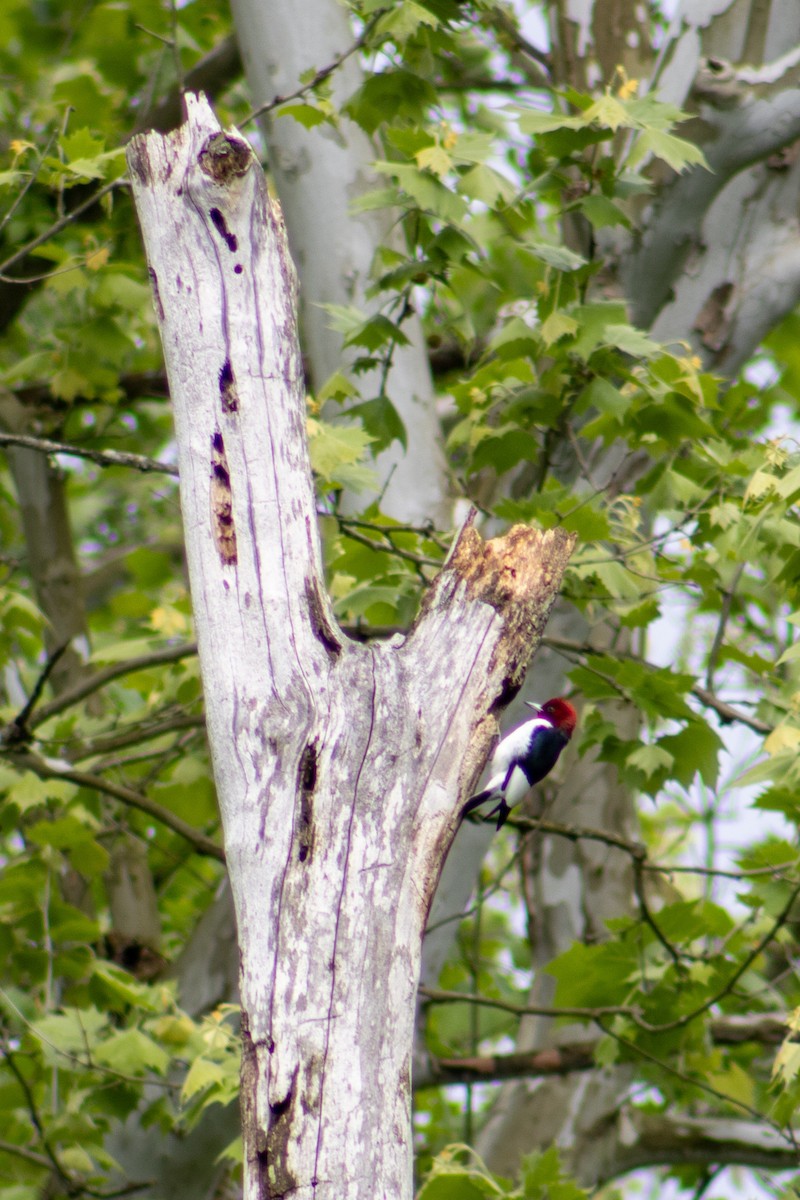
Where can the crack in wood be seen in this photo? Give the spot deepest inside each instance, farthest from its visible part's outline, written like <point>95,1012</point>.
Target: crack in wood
<point>221,226</point>
<point>307,781</point>
<point>323,627</point>
<point>222,503</point>
<point>156,295</point>
<point>275,1156</point>
<point>229,395</point>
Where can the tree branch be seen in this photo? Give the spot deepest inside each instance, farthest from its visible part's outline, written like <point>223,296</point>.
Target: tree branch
<point>319,76</point>
<point>640,1139</point>
<point>17,730</point>
<point>60,224</point>
<point>768,1029</point>
<point>47,770</point>
<point>736,136</point>
<point>99,680</point>
<point>103,458</point>
<point>145,731</point>
<point>442,996</point>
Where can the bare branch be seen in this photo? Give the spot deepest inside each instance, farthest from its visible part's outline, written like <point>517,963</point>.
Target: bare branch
<point>46,770</point>
<point>442,996</point>
<point>62,223</point>
<point>103,458</point>
<point>144,731</point>
<point>319,76</point>
<point>769,1029</point>
<point>17,730</point>
<point>86,688</point>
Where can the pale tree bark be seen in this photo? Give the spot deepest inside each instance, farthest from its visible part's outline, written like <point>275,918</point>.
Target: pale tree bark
<point>339,766</point>
<point>717,262</point>
<point>319,173</point>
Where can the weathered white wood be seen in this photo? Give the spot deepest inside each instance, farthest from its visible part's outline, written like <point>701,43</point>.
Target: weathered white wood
<point>716,262</point>
<point>339,766</point>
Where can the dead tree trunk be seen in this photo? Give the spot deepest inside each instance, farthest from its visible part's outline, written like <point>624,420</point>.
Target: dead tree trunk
<point>339,767</point>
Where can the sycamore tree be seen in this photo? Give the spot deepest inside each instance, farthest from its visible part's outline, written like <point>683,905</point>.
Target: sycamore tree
<point>548,271</point>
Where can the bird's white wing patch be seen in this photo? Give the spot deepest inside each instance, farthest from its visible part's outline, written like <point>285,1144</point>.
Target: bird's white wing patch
<point>515,744</point>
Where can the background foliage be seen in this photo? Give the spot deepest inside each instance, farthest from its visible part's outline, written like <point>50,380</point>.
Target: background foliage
<point>516,201</point>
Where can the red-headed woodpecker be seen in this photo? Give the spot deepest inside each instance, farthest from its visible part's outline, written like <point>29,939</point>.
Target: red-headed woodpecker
<point>524,756</point>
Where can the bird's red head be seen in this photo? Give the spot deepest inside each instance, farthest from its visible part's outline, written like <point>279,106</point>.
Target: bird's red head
<point>561,714</point>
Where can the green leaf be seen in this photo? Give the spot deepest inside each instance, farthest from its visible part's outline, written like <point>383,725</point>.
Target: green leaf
<point>695,750</point>
<point>559,257</point>
<point>202,1075</point>
<point>435,159</point>
<point>688,920</point>
<point>116,988</point>
<point>426,191</point>
<point>307,115</point>
<point>337,451</point>
<point>132,1052</point>
<point>630,341</point>
<point>402,22</point>
<point>337,387</point>
<point>71,1033</point>
<point>608,111</point>
<point>381,421</point>
<point>531,121</point>
<point>29,791</point>
<point>388,95</point>
<point>488,186</point>
<point>676,152</point>
<point>602,395</point>
<point>556,326</point>
<point>651,759</point>
<point>590,523</point>
<point>590,975</point>
<point>543,1178</point>
<point>602,212</point>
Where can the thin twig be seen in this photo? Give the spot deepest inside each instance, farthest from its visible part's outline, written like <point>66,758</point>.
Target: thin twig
<point>719,636</point>
<point>33,1112</point>
<point>442,996</point>
<point>103,458</point>
<point>319,76</point>
<point>135,735</point>
<point>93,684</point>
<point>418,560</point>
<point>646,914</point>
<point>733,979</point>
<point>637,851</point>
<point>120,182</point>
<point>45,770</point>
<point>693,1081</point>
<point>17,730</point>
<point>38,1160</point>
<point>34,174</point>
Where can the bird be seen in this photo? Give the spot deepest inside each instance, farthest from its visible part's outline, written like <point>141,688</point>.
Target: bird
<point>524,756</point>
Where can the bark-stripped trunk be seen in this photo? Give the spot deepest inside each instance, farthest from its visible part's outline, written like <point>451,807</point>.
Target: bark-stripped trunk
<point>339,766</point>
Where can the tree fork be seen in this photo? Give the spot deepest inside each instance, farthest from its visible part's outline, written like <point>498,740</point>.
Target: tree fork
<point>340,767</point>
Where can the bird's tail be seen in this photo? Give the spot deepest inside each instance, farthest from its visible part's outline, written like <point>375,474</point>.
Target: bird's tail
<point>477,800</point>
<point>500,810</point>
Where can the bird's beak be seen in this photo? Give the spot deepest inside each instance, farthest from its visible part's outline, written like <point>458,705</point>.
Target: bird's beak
<point>532,703</point>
